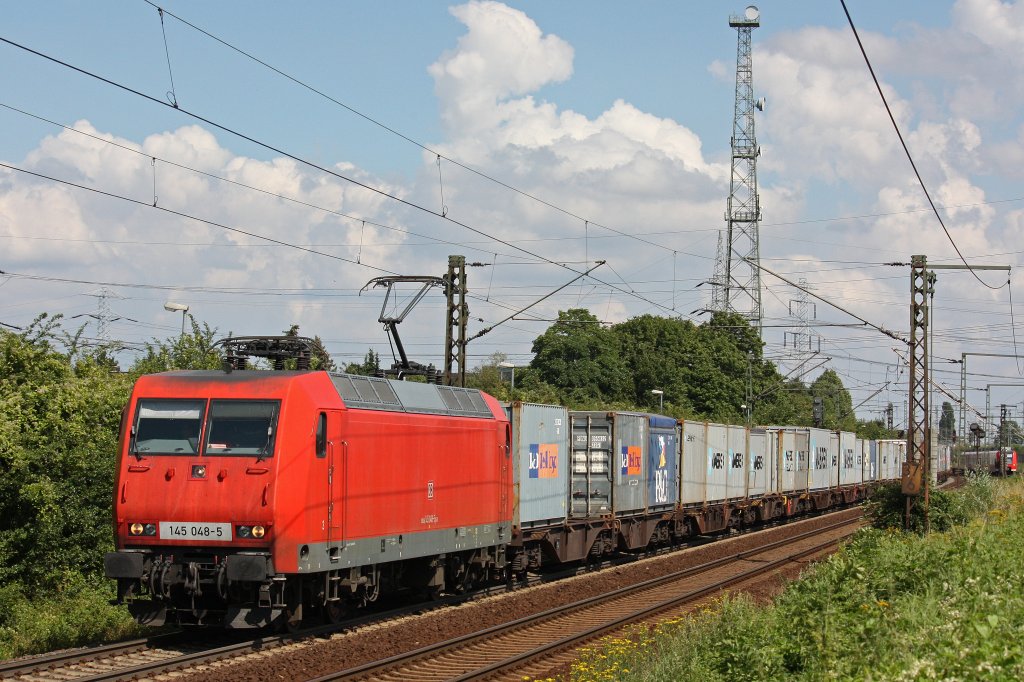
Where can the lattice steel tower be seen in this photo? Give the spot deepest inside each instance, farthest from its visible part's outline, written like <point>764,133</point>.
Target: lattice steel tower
<point>718,279</point>
<point>743,212</point>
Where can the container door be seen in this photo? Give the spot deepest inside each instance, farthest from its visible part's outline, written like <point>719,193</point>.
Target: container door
<point>543,463</point>
<point>661,464</point>
<point>803,461</point>
<point>693,463</point>
<point>590,490</point>
<point>736,462</point>
<point>757,463</point>
<point>717,462</point>
<point>630,436</point>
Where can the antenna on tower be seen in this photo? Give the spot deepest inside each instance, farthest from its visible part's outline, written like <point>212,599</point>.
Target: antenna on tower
<point>742,280</point>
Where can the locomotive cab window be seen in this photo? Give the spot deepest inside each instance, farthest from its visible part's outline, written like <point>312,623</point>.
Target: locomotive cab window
<point>242,428</point>
<point>167,427</point>
<point>321,436</point>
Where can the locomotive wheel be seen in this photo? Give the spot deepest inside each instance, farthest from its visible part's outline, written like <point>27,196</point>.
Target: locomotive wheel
<point>291,620</point>
<point>334,612</point>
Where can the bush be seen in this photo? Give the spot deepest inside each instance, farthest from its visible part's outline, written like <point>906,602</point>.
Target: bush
<point>886,507</point>
<point>77,614</point>
<point>888,606</point>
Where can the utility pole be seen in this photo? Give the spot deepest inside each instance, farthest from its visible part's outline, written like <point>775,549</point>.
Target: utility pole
<point>918,426</point>
<point>916,468</point>
<point>458,317</point>
<point>963,373</point>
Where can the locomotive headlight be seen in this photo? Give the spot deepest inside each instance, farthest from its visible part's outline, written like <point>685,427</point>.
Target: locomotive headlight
<point>136,529</point>
<point>198,471</point>
<point>250,532</point>
<point>150,529</point>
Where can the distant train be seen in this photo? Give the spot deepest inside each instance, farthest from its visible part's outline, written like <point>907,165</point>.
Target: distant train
<point>1002,462</point>
<point>249,497</point>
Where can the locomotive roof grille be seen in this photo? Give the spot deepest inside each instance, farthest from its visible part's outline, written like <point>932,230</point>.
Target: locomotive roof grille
<point>374,393</point>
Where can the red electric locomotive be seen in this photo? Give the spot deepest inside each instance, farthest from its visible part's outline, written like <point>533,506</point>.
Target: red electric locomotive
<point>248,497</point>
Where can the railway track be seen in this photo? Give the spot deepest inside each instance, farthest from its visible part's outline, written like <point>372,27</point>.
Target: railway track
<point>145,658</point>
<point>552,637</point>
<point>142,658</point>
<point>133,659</point>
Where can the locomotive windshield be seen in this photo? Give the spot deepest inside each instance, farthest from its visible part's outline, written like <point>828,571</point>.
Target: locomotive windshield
<point>241,427</point>
<point>168,427</point>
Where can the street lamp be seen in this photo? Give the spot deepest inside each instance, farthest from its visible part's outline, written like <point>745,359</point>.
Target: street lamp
<point>178,308</point>
<point>661,399</point>
<point>513,368</point>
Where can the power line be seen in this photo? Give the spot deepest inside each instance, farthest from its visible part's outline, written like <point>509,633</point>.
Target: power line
<point>906,150</point>
<point>220,178</point>
<point>181,214</point>
<point>408,139</point>
<point>370,188</point>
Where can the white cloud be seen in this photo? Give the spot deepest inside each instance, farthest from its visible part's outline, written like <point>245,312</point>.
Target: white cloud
<point>503,54</point>
<point>829,150</point>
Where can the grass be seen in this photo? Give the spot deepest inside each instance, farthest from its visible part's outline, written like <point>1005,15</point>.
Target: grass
<point>76,613</point>
<point>889,606</point>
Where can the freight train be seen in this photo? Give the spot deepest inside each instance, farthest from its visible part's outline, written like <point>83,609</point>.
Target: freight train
<point>248,497</point>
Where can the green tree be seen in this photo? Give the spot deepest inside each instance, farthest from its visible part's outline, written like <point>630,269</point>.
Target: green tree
<point>947,422</point>
<point>369,367</point>
<point>321,358</point>
<point>659,354</point>
<point>785,401</point>
<point>194,350</point>
<point>582,360</point>
<point>874,429</point>
<point>1009,432</point>
<point>488,377</point>
<point>58,445</point>
<point>836,399</point>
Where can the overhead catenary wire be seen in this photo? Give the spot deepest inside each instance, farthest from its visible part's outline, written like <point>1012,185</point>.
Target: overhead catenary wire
<point>370,188</point>
<point>906,150</point>
<point>628,285</point>
<point>439,156</point>
<point>182,214</point>
<point>237,183</point>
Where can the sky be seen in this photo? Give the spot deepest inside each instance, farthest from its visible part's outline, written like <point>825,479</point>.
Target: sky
<point>316,146</point>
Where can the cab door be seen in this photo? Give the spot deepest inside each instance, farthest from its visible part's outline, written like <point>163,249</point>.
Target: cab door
<point>335,451</point>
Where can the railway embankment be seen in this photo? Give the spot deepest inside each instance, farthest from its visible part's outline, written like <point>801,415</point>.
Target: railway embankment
<point>891,605</point>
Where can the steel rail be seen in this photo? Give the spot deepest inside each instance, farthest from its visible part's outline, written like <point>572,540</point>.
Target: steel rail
<point>56,665</point>
<point>26,665</point>
<point>375,669</point>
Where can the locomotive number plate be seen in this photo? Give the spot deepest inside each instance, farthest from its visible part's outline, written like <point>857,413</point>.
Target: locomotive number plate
<point>198,532</point>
